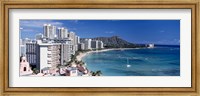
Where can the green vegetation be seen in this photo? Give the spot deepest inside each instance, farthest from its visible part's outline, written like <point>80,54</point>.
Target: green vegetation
<point>35,71</point>
<point>81,63</point>
<point>97,73</point>
<point>58,66</point>
<point>117,42</point>
<point>74,59</point>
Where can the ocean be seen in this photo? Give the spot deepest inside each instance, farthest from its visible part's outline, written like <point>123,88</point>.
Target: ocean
<point>162,60</point>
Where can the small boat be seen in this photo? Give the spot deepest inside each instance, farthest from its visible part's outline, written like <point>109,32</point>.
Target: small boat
<point>128,64</point>
<point>151,45</point>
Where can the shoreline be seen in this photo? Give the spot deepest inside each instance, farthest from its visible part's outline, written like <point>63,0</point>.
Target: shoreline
<point>83,54</point>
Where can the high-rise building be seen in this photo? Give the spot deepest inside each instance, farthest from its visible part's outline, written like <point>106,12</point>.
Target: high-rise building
<point>32,54</point>
<point>49,50</point>
<point>61,33</point>
<point>72,37</point>
<point>81,46</point>
<point>66,49</point>
<point>66,33</point>
<point>94,44</point>
<point>77,39</point>
<point>49,31</point>
<point>100,44</point>
<point>43,55</point>
<point>46,30</point>
<point>48,54</point>
<point>22,50</point>
<point>53,33</point>
<point>87,43</point>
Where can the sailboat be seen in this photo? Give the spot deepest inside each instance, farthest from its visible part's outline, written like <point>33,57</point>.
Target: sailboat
<point>128,63</point>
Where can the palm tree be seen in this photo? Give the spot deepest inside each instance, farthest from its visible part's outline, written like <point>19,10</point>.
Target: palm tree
<point>76,61</point>
<point>93,73</point>
<point>82,63</point>
<point>58,66</point>
<point>35,71</point>
<point>64,62</point>
<point>98,73</point>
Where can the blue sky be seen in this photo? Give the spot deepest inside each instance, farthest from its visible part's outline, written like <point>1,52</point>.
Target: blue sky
<point>135,31</point>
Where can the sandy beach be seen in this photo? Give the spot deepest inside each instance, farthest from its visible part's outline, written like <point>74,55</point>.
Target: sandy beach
<point>81,55</point>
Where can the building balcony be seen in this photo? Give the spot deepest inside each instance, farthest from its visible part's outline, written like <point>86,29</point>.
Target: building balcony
<point>49,49</point>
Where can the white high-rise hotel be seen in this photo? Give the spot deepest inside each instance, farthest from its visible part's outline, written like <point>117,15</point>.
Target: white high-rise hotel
<point>62,33</point>
<point>49,31</point>
<point>54,47</point>
<point>96,44</point>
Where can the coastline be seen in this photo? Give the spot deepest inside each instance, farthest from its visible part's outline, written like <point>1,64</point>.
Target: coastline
<point>83,54</point>
<point>137,64</point>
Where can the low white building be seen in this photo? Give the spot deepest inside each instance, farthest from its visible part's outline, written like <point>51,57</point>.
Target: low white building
<point>151,45</point>
<point>71,71</point>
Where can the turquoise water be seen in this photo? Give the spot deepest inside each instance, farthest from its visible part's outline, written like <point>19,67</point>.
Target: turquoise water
<point>158,61</point>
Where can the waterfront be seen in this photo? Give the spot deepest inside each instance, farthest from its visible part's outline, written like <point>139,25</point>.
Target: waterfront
<point>117,48</point>
<point>158,61</point>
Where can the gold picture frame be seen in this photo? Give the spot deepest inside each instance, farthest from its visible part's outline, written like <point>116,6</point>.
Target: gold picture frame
<point>107,4</point>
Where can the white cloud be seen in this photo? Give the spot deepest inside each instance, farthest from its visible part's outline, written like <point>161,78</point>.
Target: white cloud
<point>38,23</point>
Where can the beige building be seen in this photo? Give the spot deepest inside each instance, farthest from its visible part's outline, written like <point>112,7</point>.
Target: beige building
<point>48,55</point>
<point>43,55</point>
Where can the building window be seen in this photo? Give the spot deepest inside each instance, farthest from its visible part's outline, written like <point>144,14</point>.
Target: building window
<point>24,68</point>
